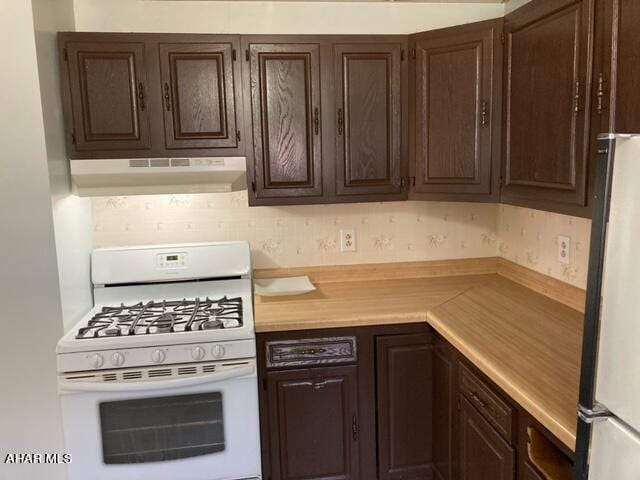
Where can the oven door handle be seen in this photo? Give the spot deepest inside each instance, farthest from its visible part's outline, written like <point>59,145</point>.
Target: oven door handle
<point>71,386</point>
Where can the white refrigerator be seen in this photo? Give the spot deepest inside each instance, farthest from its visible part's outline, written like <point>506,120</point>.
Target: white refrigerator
<point>608,443</point>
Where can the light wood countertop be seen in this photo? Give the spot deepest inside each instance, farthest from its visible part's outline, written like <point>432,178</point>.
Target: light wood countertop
<point>525,342</point>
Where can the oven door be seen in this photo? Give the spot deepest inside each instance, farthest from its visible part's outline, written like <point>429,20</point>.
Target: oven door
<point>188,421</point>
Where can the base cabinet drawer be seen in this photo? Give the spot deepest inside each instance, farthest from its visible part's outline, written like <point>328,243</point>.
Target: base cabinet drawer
<point>310,351</point>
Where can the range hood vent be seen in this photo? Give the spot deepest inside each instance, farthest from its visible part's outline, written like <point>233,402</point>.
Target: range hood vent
<point>146,176</point>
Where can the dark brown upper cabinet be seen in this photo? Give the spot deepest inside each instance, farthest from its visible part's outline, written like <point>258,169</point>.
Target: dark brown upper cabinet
<point>195,78</point>
<point>455,111</point>
<point>282,83</point>
<point>484,454</point>
<point>547,97</point>
<point>404,399</point>
<point>617,72</point>
<point>106,95</point>
<point>151,95</point>
<point>368,98</point>
<point>313,423</point>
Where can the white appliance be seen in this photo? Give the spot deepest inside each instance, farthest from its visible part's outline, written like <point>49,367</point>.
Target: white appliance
<point>159,379</point>
<point>142,176</point>
<point>608,443</point>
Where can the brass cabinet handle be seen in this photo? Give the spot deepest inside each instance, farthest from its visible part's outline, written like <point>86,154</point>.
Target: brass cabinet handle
<point>600,95</point>
<point>316,121</point>
<point>577,97</point>
<point>484,115</point>
<point>340,121</point>
<point>167,96</point>
<point>141,97</point>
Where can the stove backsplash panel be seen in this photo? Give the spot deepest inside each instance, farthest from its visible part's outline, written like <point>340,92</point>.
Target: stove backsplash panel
<point>310,234</point>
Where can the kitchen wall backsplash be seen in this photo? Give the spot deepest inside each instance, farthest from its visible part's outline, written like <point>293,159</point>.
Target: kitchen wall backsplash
<point>530,238</point>
<point>310,235</point>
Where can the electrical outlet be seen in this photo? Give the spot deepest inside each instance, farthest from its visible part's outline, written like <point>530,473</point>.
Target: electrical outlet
<point>564,249</point>
<point>347,239</point>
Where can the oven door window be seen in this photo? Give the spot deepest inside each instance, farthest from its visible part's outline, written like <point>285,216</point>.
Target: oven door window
<point>161,428</point>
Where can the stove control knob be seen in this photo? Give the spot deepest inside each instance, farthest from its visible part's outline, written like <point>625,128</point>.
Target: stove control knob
<point>96,360</point>
<point>117,359</point>
<point>158,356</point>
<point>217,351</point>
<point>198,353</point>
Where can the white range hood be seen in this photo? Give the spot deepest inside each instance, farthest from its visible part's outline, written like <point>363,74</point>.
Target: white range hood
<point>145,176</point>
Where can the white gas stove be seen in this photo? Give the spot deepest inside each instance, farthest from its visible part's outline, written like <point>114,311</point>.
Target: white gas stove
<point>172,337</point>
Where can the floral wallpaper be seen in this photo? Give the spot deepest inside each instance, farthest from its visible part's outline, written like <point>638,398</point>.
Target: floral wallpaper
<point>530,238</point>
<point>385,232</point>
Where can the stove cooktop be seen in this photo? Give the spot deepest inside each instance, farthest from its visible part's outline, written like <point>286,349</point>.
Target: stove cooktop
<point>158,317</point>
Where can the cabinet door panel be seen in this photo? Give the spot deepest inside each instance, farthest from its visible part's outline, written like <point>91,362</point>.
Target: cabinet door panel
<point>455,99</point>
<point>404,365</point>
<point>547,92</point>
<point>107,87</point>
<point>444,387</point>
<point>285,107</point>
<point>368,103</point>
<point>198,95</point>
<point>313,422</point>
<point>483,453</point>
<point>626,18</point>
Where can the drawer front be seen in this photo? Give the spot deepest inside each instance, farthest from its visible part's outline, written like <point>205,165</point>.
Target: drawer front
<point>311,351</point>
<point>490,406</point>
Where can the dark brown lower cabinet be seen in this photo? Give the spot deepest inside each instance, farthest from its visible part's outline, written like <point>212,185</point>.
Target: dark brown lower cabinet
<point>444,388</point>
<point>313,423</point>
<point>530,473</point>
<point>403,371</point>
<point>484,454</point>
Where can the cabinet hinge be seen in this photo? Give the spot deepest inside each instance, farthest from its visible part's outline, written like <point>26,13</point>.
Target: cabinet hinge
<point>73,138</point>
<point>246,55</point>
<point>354,427</point>
<point>65,54</point>
<point>413,53</point>
<point>253,186</point>
<point>402,55</point>
<point>503,38</point>
<point>413,181</point>
<point>234,57</point>
<point>238,135</point>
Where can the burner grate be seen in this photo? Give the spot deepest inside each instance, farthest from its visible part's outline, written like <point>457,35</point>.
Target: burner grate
<point>164,317</point>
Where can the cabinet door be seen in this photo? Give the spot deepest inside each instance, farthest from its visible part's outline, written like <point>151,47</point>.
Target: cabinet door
<point>198,91</point>
<point>483,453</point>
<point>624,55</point>
<point>368,119</point>
<point>547,100</point>
<point>313,423</point>
<point>456,87</point>
<point>107,91</point>
<point>444,398</point>
<point>529,473</point>
<point>285,109</point>
<point>403,366</point>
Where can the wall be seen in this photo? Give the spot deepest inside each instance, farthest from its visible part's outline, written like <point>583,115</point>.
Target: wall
<point>302,235</point>
<point>71,215</point>
<point>275,17</point>
<point>31,314</point>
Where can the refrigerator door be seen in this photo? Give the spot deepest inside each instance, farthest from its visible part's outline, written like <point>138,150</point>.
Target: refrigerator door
<point>615,451</point>
<point>618,369</point>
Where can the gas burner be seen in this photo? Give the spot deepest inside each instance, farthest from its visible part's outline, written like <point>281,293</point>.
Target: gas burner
<point>164,317</point>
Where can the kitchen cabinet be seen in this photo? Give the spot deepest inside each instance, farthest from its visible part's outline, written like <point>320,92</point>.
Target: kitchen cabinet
<point>195,79</point>
<point>106,94</point>
<point>484,454</point>
<point>369,119</point>
<point>443,410</point>
<point>151,95</point>
<point>282,83</point>
<point>455,110</point>
<point>547,105</point>
<point>313,423</point>
<point>617,72</point>
<point>404,397</point>
<point>530,473</point>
